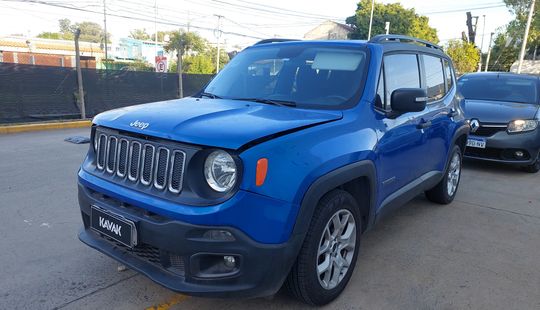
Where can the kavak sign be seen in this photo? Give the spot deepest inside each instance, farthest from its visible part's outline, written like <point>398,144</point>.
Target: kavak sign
<point>161,64</point>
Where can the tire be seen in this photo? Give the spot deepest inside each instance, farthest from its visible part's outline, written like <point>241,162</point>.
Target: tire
<point>445,191</point>
<point>304,281</point>
<point>534,168</point>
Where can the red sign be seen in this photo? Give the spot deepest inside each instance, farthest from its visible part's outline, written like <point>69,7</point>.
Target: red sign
<point>161,64</point>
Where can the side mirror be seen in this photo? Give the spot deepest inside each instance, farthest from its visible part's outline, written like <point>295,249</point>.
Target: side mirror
<point>405,100</point>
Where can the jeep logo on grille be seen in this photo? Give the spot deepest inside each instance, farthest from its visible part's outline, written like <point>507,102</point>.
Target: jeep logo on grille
<point>140,125</point>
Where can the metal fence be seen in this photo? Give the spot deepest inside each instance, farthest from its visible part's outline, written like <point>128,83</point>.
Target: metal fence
<point>35,93</point>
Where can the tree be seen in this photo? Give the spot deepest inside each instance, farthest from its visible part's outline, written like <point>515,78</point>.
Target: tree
<point>464,55</point>
<point>139,34</point>
<point>90,31</point>
<point>161,35</point>
<point>182,42</point>
<point>507,41</point>
<point>402,21</point>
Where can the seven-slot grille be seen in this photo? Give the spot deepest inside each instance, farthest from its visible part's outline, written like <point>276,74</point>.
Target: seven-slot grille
<point>140,161</point>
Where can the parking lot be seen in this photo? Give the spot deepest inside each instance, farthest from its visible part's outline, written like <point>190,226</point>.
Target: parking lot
<point>481,252</point>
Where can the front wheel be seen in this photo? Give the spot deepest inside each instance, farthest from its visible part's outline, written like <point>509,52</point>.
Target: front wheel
<point>329,252</point>
<point>445,191</point>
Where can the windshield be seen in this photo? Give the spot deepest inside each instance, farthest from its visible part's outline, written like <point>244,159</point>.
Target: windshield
<point>499,88</point>
<point>302,75</point>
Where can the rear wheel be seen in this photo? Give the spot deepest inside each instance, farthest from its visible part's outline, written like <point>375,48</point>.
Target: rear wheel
<point>445,191</point>
<point>328,256</point>
<point>534,168</point>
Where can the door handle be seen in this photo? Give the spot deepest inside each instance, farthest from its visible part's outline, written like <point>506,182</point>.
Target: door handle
<point>452,113</point>
<point>424,124</point>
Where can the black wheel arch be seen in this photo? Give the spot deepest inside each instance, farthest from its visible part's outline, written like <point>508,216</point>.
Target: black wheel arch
<point>345,177</point>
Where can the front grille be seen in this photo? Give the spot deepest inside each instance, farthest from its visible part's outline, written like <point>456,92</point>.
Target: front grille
<point>488,131</point>
<point>141,161</point>
<point>151,254</point>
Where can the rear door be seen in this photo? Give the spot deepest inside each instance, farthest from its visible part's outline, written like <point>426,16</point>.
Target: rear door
<point>439,82</point>
<point>401,147</point>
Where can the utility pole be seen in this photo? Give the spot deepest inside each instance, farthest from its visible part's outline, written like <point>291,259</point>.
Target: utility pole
<point>105,26</point>
<point>525,37</point>
<point>79,74</point>
<point>489,52</point>
<point>155,28</point>
<point>371,19</point>
<point>482,44</point>
<point>188,20</point>
<point>217,34</point>
<point>179,67</point>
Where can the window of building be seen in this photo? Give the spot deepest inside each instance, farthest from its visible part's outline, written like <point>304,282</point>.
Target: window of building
<point>435,79</point>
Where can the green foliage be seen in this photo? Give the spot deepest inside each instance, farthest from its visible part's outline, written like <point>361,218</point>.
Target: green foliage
<point>507,42</point>
<point>137,65</point>
<point>161,35</point>
<point>464,55</point>
<point>139,34</point>
<point>90,31</point>
<point>182,42</point>
<point>402,21</point>
<point>52,35</point>
<point>199,64</point>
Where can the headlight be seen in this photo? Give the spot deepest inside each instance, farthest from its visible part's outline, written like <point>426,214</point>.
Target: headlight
<point>520,125</point>
<point>220,171</point>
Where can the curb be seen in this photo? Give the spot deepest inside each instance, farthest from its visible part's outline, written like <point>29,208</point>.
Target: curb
<point>43,126</point>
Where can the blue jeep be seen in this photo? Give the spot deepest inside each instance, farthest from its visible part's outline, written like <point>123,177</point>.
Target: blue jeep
<point>270,175</point>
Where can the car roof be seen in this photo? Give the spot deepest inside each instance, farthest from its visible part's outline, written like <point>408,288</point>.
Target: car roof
<point>389,43</point>
<point>500,74</point>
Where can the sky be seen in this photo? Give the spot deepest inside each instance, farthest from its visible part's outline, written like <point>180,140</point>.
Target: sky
<point>243,22</point>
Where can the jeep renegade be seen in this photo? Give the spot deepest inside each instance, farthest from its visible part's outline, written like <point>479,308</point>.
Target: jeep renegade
<point>271,174</point>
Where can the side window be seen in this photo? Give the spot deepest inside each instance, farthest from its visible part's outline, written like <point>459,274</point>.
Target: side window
<point>448,75</point>
<point>401,71</point>
<point>379,98</point>
<point>435,79</point>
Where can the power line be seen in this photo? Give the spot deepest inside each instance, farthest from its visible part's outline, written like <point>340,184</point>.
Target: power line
<point>288,10</point>
<point>464,9</point>
<point>150,20</point>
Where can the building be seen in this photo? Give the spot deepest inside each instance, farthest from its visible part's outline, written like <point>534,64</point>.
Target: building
<point>329,30</point>
<point>129,49</point>
<point>48,52</point>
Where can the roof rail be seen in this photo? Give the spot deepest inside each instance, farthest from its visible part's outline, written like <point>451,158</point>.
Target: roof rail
<point>274,40</point>
<point>384,38</point>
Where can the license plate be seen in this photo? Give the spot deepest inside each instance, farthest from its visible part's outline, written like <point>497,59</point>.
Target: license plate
<point>476,142</point>
<point>114,226</point>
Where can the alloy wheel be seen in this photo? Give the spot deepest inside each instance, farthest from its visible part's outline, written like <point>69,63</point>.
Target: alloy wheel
<point>336,249</point>
<point>454,173</point>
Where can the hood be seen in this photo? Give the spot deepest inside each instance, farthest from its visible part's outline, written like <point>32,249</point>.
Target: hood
<point>498,111</point>
<point>212,122</point>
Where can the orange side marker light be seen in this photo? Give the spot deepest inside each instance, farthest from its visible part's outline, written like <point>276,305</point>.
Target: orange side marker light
<point>262,169</point>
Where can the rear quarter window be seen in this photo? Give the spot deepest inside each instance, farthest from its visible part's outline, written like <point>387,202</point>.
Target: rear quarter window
<point>435,79</point>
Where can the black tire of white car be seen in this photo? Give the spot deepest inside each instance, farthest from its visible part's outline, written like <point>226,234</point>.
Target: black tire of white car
<point>308,281</point>
<point>534,168</point>
<point>441,193</point>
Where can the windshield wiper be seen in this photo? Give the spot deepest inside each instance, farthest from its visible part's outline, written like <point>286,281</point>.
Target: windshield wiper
<point>281,103</point>
<point>210,95</point>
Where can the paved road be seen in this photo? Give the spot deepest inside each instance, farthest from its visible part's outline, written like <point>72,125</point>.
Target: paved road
<point>481,252</point>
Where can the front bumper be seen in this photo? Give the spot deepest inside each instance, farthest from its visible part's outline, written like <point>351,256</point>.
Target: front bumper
<point>501,147</point>
<point>176,254</point>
